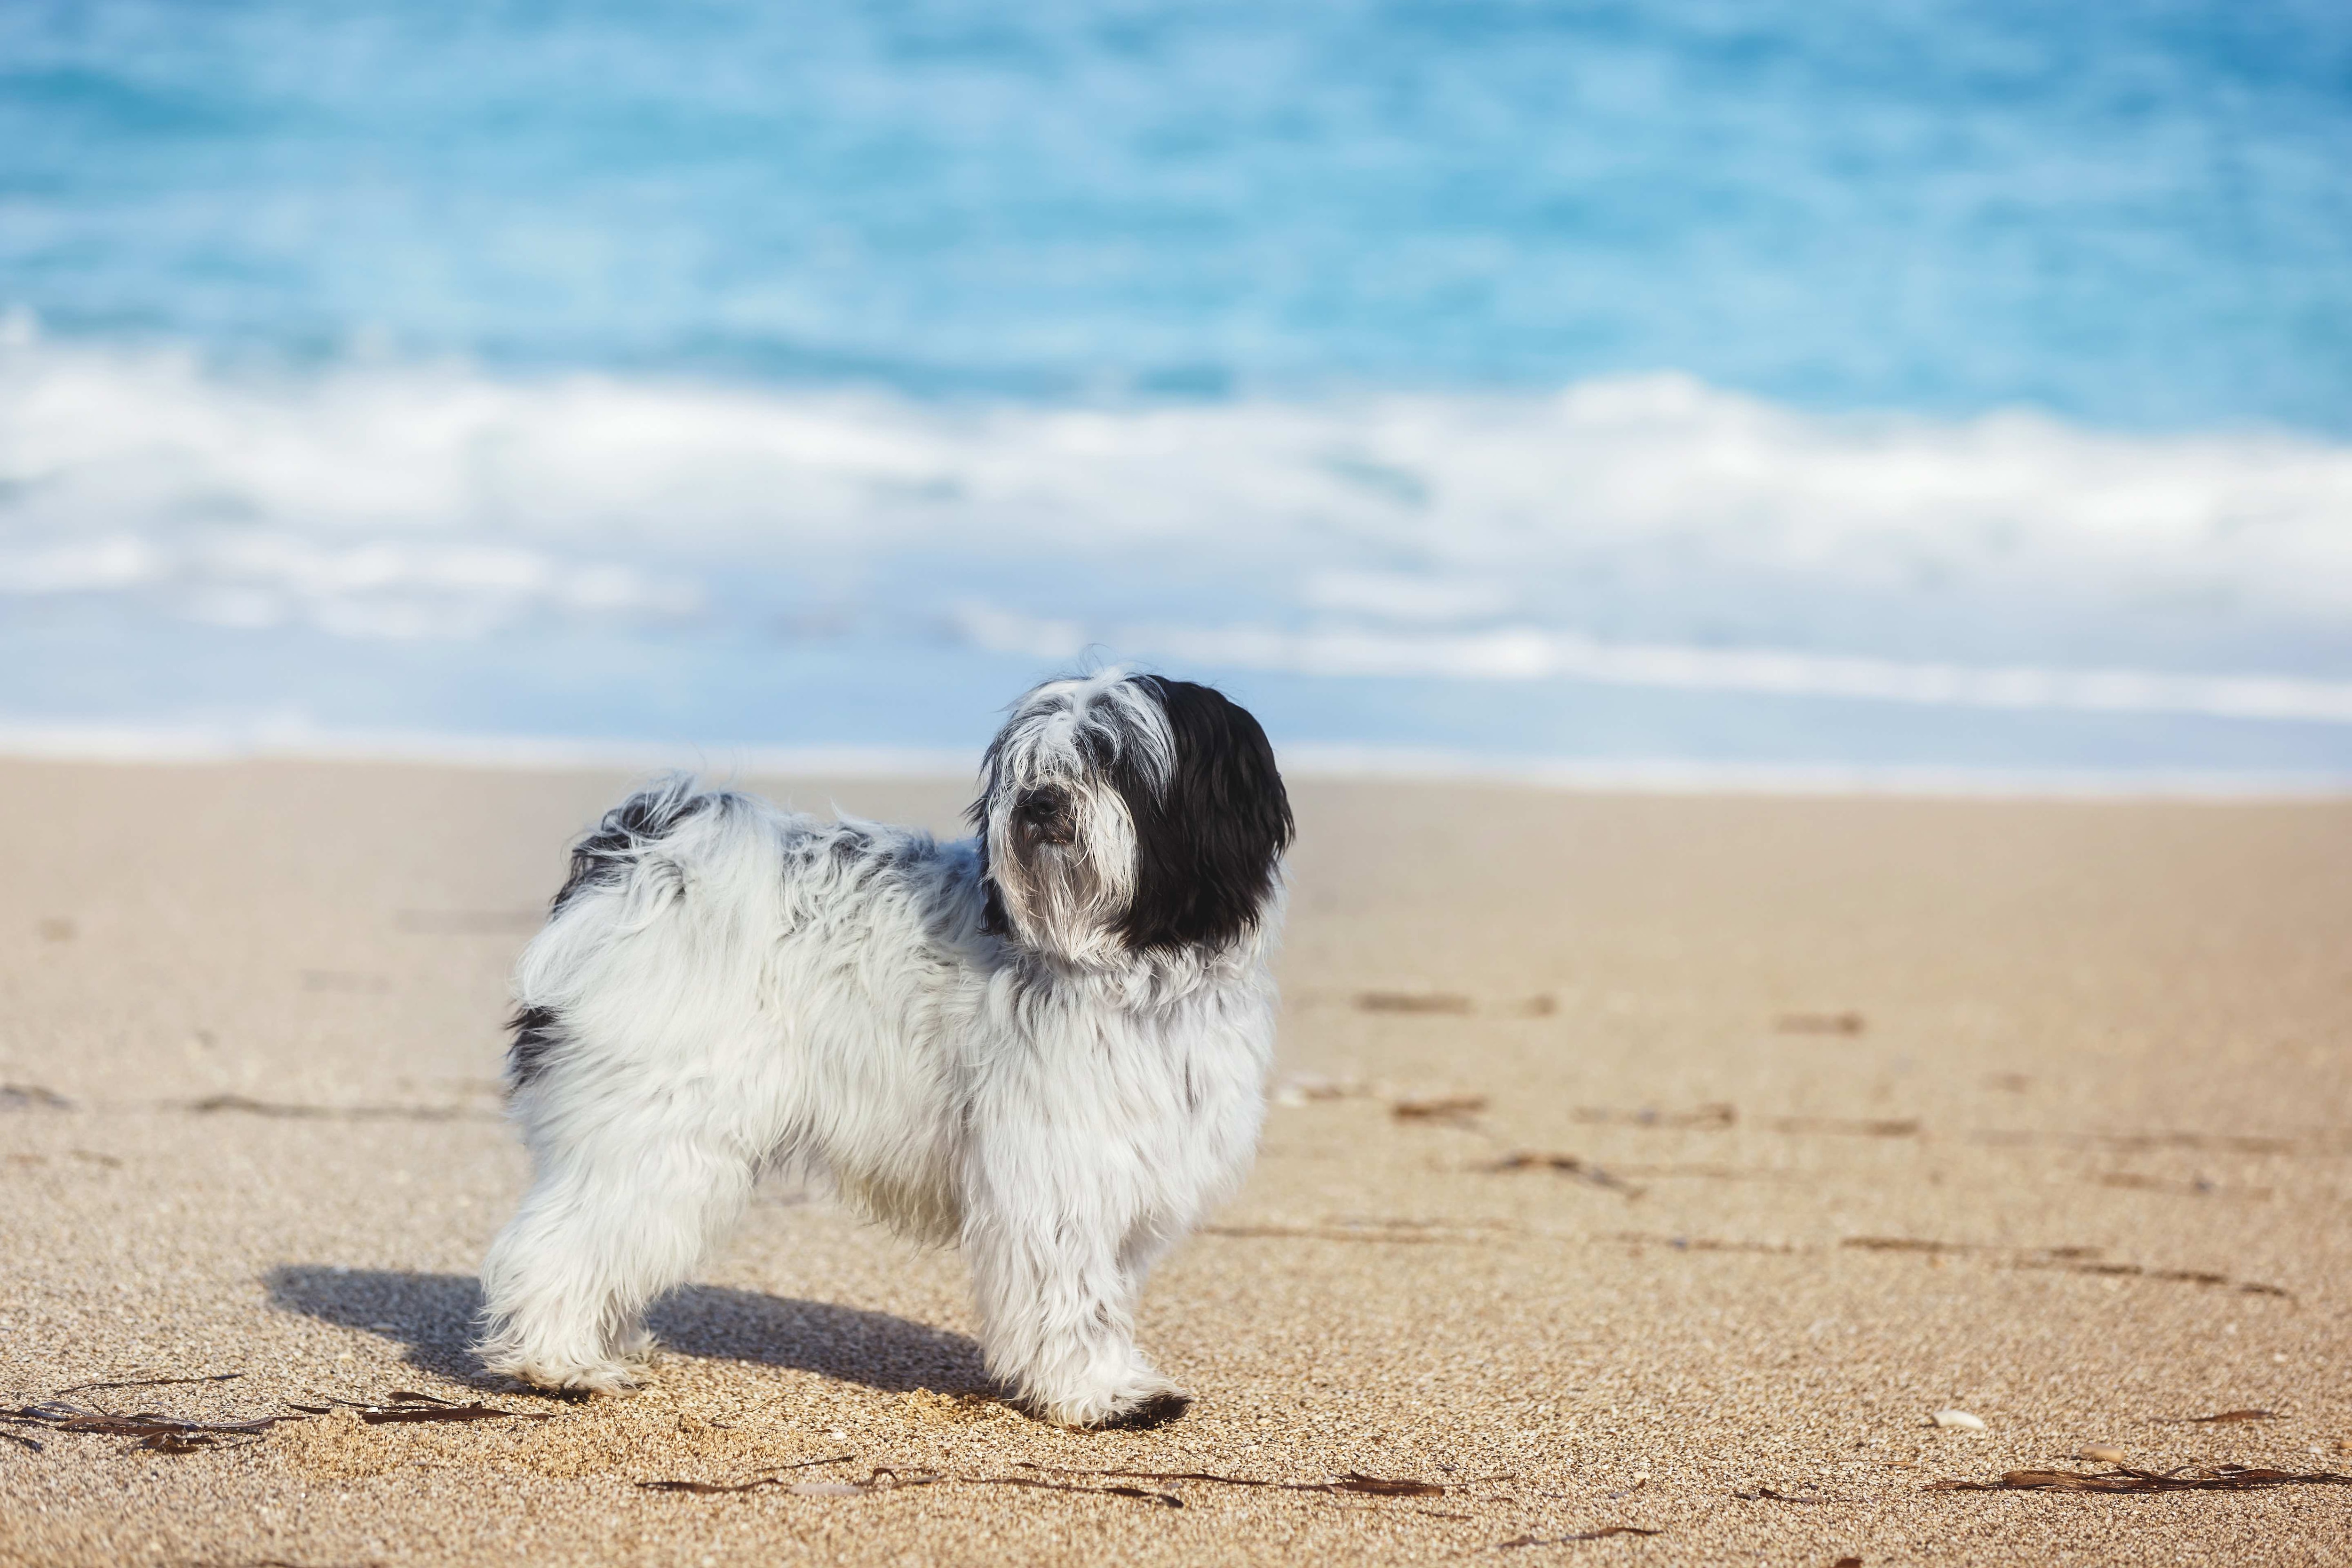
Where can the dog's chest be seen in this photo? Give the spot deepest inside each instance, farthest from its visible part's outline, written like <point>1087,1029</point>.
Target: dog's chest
<point>1198,1058</point>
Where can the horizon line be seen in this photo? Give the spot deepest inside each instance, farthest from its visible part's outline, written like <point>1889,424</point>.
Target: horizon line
<point>1320,761</point>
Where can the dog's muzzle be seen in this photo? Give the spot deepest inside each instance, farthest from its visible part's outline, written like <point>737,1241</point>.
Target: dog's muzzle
<point>1045,815</point>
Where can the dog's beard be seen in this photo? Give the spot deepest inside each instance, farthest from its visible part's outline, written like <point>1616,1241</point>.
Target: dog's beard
<point>1063,854</point>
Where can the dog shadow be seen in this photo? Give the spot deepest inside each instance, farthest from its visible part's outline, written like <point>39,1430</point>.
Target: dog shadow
<point>432,1316</point>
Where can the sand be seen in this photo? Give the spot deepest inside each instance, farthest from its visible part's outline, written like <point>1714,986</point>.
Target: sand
<point>1777,1126</point>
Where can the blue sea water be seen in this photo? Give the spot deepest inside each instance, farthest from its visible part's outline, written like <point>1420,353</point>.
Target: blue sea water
<point>1931,386</point>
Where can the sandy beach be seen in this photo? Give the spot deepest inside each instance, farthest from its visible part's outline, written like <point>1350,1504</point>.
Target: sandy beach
<point>1645,1173</point>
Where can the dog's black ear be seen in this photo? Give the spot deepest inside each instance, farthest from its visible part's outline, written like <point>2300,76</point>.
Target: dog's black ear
<point>1208,842</point>
<point>993,918</point>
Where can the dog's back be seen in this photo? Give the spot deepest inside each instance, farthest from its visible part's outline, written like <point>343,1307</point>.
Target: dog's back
<point>824,971</point>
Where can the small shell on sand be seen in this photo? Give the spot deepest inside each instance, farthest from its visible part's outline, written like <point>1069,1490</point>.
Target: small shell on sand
<point>1959,1418</point>
<point>2102,1454</point>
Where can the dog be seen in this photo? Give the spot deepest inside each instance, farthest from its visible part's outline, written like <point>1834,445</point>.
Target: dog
<point>1047,1045</point>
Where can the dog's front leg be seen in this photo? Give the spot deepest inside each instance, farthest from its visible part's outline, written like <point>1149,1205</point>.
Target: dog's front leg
<point>1047,1227</point>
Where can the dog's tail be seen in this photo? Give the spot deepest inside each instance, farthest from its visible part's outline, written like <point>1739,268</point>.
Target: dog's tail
<point>659,892</point>
<point>629,832</point>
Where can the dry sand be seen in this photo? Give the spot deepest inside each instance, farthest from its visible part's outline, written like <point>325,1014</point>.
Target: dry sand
<point>2037,1110</point>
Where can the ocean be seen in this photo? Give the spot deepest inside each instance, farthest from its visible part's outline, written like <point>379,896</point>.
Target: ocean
<point>1916,393</point>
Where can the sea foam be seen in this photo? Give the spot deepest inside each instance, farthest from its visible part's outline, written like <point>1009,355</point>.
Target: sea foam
<point>1647,530</point>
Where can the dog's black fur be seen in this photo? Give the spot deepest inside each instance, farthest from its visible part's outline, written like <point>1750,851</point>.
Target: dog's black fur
<point>1206,848</point>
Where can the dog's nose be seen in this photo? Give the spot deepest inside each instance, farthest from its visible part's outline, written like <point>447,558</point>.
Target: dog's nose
<point>1045,816</point>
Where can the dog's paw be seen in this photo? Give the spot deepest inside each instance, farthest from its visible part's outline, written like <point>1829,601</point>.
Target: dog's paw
<point>1136,1407</point>
<point>565,1376</point>
<point>1154,1410</point>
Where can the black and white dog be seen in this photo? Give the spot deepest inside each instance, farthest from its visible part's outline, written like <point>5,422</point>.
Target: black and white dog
<point>1047,1043</point>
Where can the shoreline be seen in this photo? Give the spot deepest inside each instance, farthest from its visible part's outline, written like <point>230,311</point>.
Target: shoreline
<point>136,746</point>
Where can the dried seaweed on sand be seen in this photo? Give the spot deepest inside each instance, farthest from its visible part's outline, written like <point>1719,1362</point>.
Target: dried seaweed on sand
<point>160,1434</point>
<point>176,1434</point>
<point>883,1478</point>
<point>774,1478</point>
<point>2185,1479</point>
<point>1353,1481</point>
<point>1445,1002</point>
<point>405,1405</point>
<point>1566,1165</point>
<point>1453,1107</point>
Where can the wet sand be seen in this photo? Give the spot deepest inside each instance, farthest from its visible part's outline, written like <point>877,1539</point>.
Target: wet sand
<point>1641,1162</point>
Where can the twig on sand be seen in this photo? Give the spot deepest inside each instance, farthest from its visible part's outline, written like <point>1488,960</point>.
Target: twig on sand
<point>148,1382</point>
<point>774,1478</point>
<point>2185,1479</point>
<point>1164,1499</point>
<point>1603,1534</point>
<point>1352,1482</point>
<point>1574,1165</point>
<point>886,1480</point>
<point>174,1435</point>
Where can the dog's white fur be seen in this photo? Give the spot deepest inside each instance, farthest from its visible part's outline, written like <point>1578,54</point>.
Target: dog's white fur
<point>736,987</point>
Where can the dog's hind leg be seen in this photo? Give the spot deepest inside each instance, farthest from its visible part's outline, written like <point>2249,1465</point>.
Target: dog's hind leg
<point>632,1188</point>
<point>638,1081</point>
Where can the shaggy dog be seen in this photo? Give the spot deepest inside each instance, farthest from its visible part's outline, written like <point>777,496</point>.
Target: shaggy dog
<point>1047,1043</point>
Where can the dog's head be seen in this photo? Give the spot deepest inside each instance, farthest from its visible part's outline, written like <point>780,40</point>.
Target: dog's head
<point>1122,813</point>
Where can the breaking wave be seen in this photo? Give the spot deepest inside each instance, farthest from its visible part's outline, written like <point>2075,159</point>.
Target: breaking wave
<point>1524,653</point>
<point>1648,532</point>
